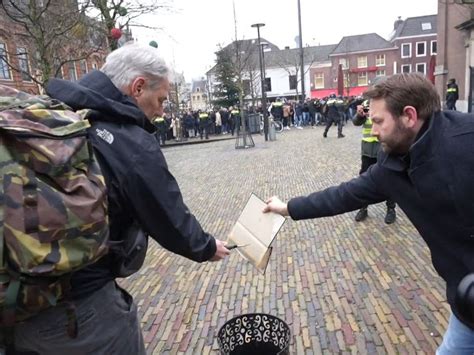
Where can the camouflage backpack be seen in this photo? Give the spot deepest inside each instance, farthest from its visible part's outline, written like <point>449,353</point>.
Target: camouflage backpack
<point>53,211</point>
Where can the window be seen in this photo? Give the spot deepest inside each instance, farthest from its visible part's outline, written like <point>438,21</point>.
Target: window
<point>380,73</point>
<point>23,63</point>
<point>268,84</point>
<point>380,60</point>
<point>406,50</point>
<point>362,79</point>
<point>246,85</point>
<point>198,89</point>
<point>319,81</point>
<point>94,65</point>
<point>425,26</point>
<point>343,61</point>
<point>83,67</point>
<point>434,47</point>
<point>347,80</point>
<point>57,69</point>
<point>4,71</point>
<point>293,82</point>
<point>71,70</point>
<point>420,49</point>
<point>406,68</point>
<point>362,62</point>
<point>421,68</point>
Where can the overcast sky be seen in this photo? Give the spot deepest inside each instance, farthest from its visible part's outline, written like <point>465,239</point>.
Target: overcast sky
<point>191,34</point>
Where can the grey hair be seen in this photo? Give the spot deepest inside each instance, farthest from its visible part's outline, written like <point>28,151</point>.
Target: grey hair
<point>132,60</point>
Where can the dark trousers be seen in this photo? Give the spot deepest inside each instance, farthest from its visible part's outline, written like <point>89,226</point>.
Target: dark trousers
<point>107,324</point>
<point>366,163</point>
<point>203,131</point>
<point>451,105</point>
<point>336,121</point>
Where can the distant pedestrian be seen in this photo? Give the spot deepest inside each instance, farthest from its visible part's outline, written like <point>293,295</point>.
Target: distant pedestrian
<point>452,94</point>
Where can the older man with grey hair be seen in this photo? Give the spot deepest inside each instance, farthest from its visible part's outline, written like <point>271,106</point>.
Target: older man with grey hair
<point>144,199</point>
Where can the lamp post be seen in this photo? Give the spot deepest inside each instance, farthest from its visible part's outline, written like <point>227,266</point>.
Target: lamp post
<point>301,53</point>
<point>262,81</point>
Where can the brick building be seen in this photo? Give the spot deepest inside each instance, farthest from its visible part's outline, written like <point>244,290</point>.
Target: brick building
<point>18,68</point>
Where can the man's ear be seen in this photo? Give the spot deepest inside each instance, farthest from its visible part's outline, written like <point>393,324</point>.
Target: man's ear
<point>137,86</point>
<point>410,117</point>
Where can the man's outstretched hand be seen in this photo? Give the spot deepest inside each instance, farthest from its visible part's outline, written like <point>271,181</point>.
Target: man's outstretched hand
<point>274,204</point>
<point>221,251</point>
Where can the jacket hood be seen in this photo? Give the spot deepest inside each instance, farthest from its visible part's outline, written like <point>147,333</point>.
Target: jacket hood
<point>96,92</point>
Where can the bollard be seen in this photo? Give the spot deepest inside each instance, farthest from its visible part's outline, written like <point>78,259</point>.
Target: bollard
<point>271,130</point>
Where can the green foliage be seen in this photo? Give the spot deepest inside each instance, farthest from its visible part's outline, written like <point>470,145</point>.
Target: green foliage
<point>227,92</point>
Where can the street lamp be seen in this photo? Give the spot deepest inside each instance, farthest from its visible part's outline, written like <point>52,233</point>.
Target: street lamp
<point>301,52</point>
<point>262,81</point>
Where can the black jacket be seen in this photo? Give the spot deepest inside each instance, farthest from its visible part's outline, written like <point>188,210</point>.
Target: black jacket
<point>433,185</point>
<point>452,93</point>
<point>141,189</point>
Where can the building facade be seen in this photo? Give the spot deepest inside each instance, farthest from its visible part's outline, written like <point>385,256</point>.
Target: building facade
<point>455,58</point>
<point>19,58</point>
<point>199,95</point>
<point>416,40</point>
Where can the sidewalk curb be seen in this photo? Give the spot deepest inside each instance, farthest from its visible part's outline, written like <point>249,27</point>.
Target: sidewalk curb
<point>198,141</point>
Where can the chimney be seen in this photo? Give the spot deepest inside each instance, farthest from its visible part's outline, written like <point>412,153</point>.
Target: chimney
<point>397,23</point>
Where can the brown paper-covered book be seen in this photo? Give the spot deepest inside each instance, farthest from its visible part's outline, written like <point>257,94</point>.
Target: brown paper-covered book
<point>254,232</point>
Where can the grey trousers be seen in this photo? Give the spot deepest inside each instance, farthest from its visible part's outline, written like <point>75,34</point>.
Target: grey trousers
<point>107,324</point>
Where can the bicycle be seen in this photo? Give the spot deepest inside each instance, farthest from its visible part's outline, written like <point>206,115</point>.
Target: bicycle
<point>275,123</point>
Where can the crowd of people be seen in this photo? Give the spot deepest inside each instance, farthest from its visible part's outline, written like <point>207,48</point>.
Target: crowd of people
<point>326,111</point>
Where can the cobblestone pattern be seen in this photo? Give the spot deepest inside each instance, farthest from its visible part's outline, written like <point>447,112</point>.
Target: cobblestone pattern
<point>343,287</point>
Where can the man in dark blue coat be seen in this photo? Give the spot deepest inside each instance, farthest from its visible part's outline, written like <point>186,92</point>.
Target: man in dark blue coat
<point>144,199</point>
<point>426,167</point>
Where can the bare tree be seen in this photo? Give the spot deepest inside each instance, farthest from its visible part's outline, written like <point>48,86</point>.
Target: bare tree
<point>50,34</point>
<point>289,61</point>
<point>122,14</point>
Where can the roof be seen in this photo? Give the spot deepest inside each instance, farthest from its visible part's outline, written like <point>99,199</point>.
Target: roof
<point>415,26</point>
<point>285,57</point>
<point>291,56</point>
<point>360,43</point>
<point>201,84</point>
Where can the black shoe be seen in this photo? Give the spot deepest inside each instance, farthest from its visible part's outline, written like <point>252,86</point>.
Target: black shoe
<point>391,216</point>
<point>325,135</point>
<point>361,215</point>
<point>341,136</point>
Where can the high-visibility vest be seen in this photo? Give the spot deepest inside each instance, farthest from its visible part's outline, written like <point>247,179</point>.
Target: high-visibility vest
<point>277,104</point>
<point>451,90</point>
<point>367,132</point>
<point>203,116</point>
<point>235,112</point>
<point>159,120</point>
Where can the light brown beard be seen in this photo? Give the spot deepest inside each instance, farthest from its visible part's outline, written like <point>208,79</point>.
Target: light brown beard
<point>400,142</point>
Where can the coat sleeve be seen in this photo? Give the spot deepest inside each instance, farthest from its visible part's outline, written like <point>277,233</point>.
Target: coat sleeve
<point>159,207</point>
<point>358,120</point>
<point>346,197</point>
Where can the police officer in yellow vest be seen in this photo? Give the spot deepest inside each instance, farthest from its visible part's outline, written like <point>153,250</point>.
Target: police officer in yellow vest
<point>235,120</point>
<point>335,111</point>
<point>203,124</point>
<point>370,148</point>
<point>452,94</point>
<point>161,129</point>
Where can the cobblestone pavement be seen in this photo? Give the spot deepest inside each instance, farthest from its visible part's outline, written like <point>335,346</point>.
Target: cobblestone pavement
<point>343,287</point>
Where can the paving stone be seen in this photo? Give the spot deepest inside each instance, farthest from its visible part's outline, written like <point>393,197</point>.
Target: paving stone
<point>341,286</point>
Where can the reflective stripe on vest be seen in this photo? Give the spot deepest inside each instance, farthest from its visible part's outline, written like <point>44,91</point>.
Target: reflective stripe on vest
<point>203,116</point>
<point>367,132</point>
<point>159,120</point>
<point>235,112</point>
<point>452,90</point>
